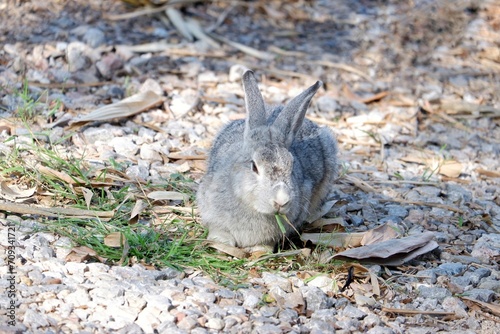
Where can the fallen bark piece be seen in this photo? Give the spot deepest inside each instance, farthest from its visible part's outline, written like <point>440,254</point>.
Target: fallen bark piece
<point>55,211</point>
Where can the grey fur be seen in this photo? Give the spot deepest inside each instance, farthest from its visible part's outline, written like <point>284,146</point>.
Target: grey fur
<point>295,162</point>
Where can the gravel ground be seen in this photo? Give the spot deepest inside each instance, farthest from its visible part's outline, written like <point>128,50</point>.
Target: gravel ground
<point>411,92</point>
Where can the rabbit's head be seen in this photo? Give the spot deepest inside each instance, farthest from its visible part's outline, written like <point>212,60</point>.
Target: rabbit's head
<point>265,171</point>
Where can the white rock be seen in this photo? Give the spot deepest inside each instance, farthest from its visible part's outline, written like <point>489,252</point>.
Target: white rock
<point>122,315</point>
<point>271,280</point>
<point>188,323</point>
<point>151,85</point>
<point>323,282</point>
<point>34,319</point>
<point>150,152</point>
<point>147,320</point>
<point>80,297</point>
<point>215,324</point>
<point>77,56</point>
<point>124,146</point>
<point>94,37</point>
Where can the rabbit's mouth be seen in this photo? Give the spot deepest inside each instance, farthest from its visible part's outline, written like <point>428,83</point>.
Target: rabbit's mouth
<point>281,200</point>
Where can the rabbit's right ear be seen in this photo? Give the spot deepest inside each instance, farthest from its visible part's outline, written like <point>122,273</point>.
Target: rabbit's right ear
<point>254,102</point>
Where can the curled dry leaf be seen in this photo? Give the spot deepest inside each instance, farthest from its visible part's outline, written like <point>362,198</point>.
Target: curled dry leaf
<point>139,206</point>
<point>14,193</point>
<point>83,254</point>
<point>87,195</point>
<point>127,107</point>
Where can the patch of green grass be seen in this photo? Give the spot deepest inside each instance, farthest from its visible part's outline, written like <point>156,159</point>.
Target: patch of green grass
<point>64,177</point>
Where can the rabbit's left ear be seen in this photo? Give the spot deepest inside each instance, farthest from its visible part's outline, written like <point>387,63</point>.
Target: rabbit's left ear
<point>290,119</point>
<point>254,102</point>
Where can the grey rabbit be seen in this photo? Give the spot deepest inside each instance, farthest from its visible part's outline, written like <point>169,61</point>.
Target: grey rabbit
<point>274,161</point>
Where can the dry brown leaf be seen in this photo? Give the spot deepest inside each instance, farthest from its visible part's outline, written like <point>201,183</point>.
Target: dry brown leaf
<point>167,196</point>
<point>392,252</point>
<point>374,98</point>
<point>47,171</point>
<point>87,195</point>
<point>381,233</point>
<point>139,206</point>
<point>493,308</point>
<point>114,239</point>
<point>127,107</point>
<point>83,254</point>
<point>451,169</point>
<point>374,282</point>
<point>14,193</point>
<point>230,250</point>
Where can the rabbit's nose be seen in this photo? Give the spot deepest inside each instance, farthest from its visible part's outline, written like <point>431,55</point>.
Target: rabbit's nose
<point>281,200</point>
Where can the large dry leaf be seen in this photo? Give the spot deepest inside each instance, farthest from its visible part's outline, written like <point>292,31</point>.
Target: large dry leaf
<point>392,252</point>
<point>127,107</point>
<point>114,239</point>
<point>14,193</point>
<point>167,196</point>
<point>381,233</point>
<point>83,254</point>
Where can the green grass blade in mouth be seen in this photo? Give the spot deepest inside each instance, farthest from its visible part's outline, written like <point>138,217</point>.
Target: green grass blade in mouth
<point>279,218</point>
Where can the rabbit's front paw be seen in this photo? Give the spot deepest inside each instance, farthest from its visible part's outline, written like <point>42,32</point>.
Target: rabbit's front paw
<point>259,249</point>
<point>222,237</point>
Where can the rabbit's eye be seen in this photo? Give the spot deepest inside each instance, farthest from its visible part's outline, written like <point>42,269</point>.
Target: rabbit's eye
<point>254,167</point>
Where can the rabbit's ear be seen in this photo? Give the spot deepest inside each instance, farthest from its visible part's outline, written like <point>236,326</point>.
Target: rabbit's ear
<point>256,109</point>
<point>290,119</point>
